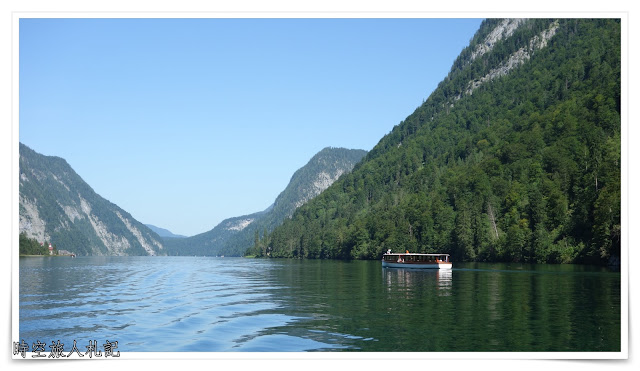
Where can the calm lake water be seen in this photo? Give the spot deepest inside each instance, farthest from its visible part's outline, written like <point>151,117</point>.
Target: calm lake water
<point>187,304</point>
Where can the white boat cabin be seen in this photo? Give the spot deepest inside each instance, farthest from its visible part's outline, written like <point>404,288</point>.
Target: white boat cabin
<point>416,260</point>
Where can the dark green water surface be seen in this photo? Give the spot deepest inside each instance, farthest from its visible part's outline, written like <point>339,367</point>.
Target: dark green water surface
<point>188,304</point>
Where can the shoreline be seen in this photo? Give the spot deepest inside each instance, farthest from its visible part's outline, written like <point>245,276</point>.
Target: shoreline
<point>43,256</point>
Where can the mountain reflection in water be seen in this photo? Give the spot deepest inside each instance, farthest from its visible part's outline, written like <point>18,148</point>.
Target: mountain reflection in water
<point>186,304</point>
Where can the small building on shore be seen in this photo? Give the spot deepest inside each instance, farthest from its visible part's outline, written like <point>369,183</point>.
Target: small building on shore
<point>65,253</point>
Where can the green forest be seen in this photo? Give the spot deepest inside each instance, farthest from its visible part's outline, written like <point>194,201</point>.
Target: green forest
<point>30,246</point>
<point>524,169</point>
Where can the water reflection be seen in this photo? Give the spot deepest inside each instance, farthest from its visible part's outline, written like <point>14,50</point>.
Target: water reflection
<point>445,281</point>
<point>409,280</point>
<point>182,304</point>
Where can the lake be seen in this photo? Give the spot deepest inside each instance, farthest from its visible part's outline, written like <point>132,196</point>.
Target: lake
<point>189,304</point>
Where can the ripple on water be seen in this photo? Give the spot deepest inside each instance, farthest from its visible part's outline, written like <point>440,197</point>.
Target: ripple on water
<point>172,304</point>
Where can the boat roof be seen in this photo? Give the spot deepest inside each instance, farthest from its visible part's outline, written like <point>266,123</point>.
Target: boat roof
<point>413,253</point>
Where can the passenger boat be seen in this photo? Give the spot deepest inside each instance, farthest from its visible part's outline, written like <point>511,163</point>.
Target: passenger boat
<point>415,260</point>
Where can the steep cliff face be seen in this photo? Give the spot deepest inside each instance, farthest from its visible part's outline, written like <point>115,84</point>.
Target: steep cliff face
<point>520,56</point>
<point>502,30</point>
<point>234,236</point>
<point>57,206</point>
<point>312,179</point>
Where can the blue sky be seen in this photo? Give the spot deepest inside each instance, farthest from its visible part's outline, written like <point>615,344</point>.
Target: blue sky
<point>186,122</point>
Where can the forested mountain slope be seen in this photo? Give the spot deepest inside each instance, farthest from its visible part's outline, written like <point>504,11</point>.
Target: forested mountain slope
<point>57,206</point>
<point>514,157</point>
<point>233,236</point>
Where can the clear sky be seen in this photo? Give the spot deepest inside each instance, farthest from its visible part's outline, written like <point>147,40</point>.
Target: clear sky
<point>186,122</point>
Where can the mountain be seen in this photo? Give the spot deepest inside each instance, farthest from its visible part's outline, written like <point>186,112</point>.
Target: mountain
<point>57,206</point>
<point>164,233</point>
<point>514,157</point>
<point>233,236</point>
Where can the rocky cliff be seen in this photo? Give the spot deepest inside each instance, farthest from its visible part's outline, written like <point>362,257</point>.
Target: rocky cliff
<point>57,206</point>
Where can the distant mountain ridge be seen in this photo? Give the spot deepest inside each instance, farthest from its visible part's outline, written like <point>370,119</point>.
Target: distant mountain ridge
<point>57,206</point>
<point>164,232</point>
<point>233,236</point>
